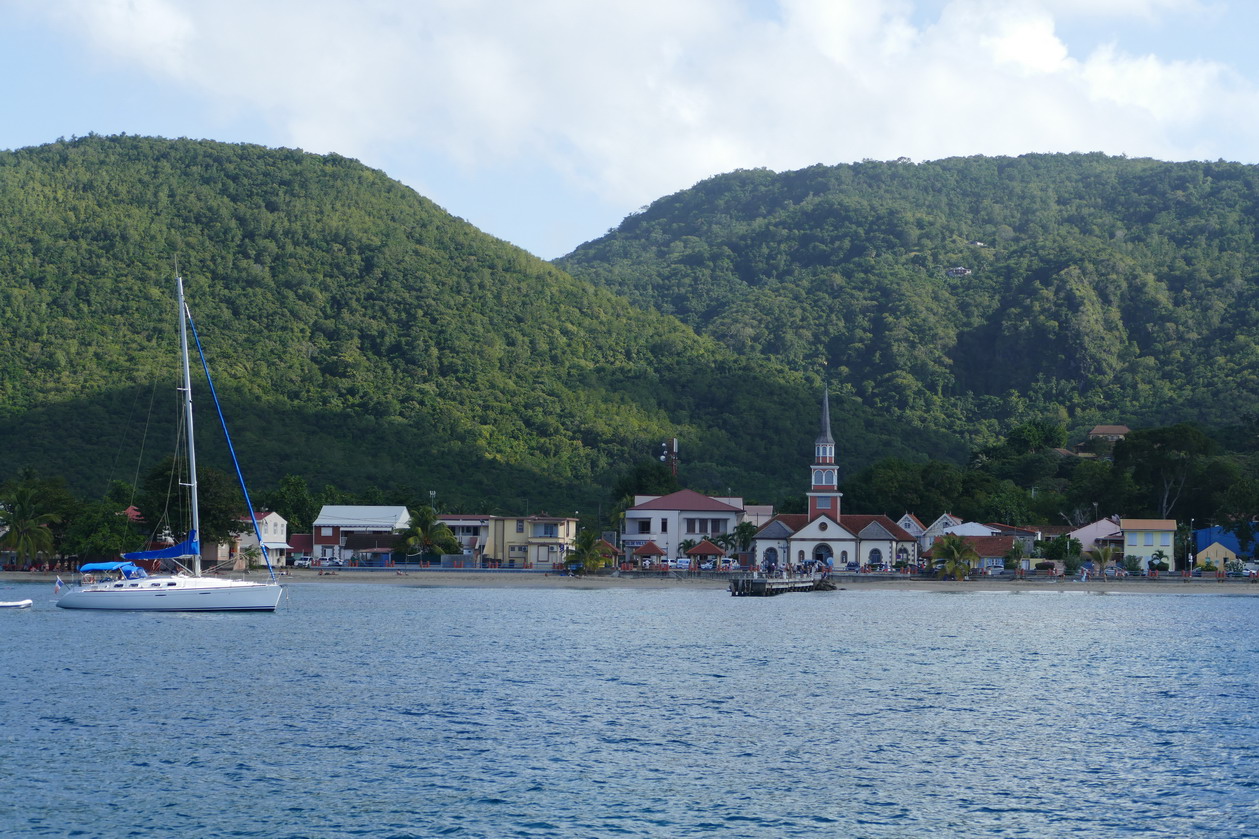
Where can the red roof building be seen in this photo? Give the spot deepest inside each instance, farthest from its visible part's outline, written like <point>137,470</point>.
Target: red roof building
<point>825,536</point>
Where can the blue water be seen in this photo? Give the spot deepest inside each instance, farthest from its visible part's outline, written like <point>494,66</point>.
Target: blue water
<point>391,711</point>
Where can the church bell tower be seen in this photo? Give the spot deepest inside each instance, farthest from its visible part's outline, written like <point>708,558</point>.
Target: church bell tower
<point>824,495</point>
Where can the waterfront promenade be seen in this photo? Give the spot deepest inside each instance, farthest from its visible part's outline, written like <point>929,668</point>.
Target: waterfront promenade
<point>1167,584</point>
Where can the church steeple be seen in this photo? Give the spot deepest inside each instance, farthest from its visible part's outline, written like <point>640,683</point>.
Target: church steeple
<point>824,492</point>
<point>825,444</point>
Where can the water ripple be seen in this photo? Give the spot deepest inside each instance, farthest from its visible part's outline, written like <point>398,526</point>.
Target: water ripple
<point>406,712</point>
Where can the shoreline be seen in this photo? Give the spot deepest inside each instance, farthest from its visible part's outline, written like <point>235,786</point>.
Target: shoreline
<point>510,579</point>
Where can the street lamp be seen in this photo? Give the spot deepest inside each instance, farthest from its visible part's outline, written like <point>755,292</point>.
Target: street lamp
<point>432,499</point>
<point>1191,545</point>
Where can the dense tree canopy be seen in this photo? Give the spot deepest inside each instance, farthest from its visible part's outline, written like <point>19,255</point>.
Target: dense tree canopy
<point>971,294</point>
<point>369,343</point>
<point>359,336</point>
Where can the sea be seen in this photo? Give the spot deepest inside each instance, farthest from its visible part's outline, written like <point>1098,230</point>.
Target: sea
<point>361,710</point>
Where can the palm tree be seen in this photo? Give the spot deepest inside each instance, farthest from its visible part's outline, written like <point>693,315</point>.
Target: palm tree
<point>426,534</point>
<point>590,551</point>
<point>955,555</point>
<point>27,527</point>
<point>252,555</point>
<point>1103,556</point>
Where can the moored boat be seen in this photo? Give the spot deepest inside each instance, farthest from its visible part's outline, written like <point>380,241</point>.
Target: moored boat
<point>127,586</point>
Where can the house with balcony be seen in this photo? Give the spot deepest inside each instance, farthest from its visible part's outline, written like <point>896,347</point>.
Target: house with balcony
<point>540,542</point>
<point>337,522</point>
<point>683,516</point>
<point>472,533</point>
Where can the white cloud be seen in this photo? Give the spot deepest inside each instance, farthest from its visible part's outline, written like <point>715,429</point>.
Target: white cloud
<point>628,100</point>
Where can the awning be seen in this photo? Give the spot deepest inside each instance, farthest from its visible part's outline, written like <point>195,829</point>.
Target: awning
<point>129,570</point>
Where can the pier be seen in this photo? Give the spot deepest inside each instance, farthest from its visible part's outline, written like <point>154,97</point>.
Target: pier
<point>756,586</point>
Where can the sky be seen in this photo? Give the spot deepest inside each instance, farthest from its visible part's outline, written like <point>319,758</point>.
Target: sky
<point>547,122</point>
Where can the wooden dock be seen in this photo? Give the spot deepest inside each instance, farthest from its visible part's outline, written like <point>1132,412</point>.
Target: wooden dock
<point>750,586</point>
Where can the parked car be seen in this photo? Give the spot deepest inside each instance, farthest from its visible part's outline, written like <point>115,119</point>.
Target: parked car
<point>301,562</point>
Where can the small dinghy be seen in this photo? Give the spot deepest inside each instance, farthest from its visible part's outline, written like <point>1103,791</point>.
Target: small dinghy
<point>16,604</point>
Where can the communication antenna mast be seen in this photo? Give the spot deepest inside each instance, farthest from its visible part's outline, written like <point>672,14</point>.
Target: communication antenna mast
<point>669,455</point>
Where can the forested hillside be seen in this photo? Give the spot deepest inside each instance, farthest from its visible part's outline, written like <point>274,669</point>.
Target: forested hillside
<point>1092,289</point>
<point>361,337</point>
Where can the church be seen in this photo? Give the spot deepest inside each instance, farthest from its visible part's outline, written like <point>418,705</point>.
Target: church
<point>825,535</point>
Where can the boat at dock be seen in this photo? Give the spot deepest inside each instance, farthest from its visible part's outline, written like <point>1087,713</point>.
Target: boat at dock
<point>756,585</point>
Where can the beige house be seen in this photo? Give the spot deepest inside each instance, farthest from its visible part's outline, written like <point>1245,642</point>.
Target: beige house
<point>541,542</point>
<point>1216,554</point>
<point>1143,538</point>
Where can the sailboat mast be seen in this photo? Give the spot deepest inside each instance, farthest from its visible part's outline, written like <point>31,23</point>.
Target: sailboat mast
<point>192,449</point>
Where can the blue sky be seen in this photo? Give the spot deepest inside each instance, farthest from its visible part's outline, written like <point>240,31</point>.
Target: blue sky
<point>546,122</point>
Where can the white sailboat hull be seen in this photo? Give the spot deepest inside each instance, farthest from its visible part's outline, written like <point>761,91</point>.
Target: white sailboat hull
<point>175,594</point>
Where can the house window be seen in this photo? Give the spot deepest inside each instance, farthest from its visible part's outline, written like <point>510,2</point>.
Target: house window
<point>325,531</point>
<point>664,525</point>
<point>717,526</point>
<point>644,525</point>
<point>1132,540</point>
<point>824,503</point>
<point>520,525</point>
<point>1165,539</point>
<point>1149,540</point>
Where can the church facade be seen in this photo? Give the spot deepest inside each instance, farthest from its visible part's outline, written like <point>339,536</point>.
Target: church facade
<point>826,537</point>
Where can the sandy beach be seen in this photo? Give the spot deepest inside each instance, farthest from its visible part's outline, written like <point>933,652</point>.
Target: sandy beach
<point>853,582</point>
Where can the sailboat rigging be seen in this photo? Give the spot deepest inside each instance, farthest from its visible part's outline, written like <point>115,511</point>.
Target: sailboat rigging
<point>125,585</point>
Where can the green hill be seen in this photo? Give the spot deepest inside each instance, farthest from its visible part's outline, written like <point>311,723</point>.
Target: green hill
<point>360,337</point>
<point>1094,289</point>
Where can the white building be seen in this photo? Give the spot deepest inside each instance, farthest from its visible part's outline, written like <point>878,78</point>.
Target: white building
<point>685,515</point>
<point>824,535</point>
<point>275,537</point>
<point>336,522</point>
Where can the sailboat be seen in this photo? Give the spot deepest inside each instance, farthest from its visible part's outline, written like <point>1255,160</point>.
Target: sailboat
<point>126,585</point>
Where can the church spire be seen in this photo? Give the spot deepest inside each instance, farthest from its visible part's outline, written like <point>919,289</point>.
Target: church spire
<point>824,492</point>
<point>825,437</point>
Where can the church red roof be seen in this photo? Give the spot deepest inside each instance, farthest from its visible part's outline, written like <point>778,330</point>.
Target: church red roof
<point>853,523</point>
